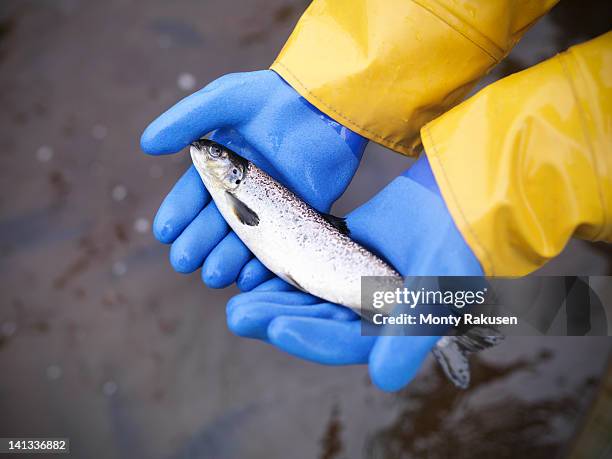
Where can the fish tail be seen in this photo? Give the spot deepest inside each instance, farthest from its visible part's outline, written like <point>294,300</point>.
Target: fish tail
<point>452,352</point>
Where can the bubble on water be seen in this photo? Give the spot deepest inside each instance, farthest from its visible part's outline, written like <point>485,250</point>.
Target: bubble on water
<point>119,192</point>
<point>99,131</point>
<point>119,268</point>
<point>109,388</point>
<point>8,328</point>
<point>44,153</point>
<point>54,372</point>
<point>141,225</point>
<point>156,171</point>
<point>186,81</point>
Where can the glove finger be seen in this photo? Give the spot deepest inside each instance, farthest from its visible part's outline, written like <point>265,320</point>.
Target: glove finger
<point>225,261</point>
<point>275,285</point>
<point>184,202</point>
<point>194,244</point>
<point>251,320</point>
<point>329,342</point>
<point>278,285</point>
<point>289,298</point>
<point>395,360</point>
<point>224,102</point>
<point>283,297</point>
<point>252,275</point>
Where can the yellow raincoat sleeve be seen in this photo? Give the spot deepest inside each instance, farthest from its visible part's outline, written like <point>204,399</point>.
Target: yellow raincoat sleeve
<point>384,68</point>
<point>526,163</point>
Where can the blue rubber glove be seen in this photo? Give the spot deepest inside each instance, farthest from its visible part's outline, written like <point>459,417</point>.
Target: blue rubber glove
<point>262,118</point>
<point>407,223</point>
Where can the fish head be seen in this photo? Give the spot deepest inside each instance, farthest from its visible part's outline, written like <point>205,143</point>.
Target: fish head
<point>220,165</point>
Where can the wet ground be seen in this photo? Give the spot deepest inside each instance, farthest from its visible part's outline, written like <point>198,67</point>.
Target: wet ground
<point>102,342</point>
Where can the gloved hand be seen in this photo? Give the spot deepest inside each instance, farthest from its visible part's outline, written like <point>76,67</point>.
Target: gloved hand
<point>409,225</point>
<point>262,118</point>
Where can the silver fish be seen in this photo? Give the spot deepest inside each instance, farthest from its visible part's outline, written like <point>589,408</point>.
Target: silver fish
<point>305,248</point>
<point>309,250</point>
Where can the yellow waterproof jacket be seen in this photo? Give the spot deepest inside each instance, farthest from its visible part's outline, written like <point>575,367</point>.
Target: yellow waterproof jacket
<point>523,165</point>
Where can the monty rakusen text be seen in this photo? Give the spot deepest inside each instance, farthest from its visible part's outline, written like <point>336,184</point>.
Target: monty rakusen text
<point>425,297</point>
<point>450,319</point>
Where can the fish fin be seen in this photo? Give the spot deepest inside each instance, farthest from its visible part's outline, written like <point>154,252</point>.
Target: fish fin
<point>337,222</point>
<point>452,352</point>
<point>478,338</point>
<point>453,361</point>
<point>295,283</point>
<point>244,213</point>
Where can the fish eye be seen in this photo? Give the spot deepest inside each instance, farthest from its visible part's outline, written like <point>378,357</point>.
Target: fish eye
<point>237,181</point>
<point>215,151</point>
<point>235,171</point>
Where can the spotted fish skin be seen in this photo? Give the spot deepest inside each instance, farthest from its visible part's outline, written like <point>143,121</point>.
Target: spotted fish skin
<point>292,239</point>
